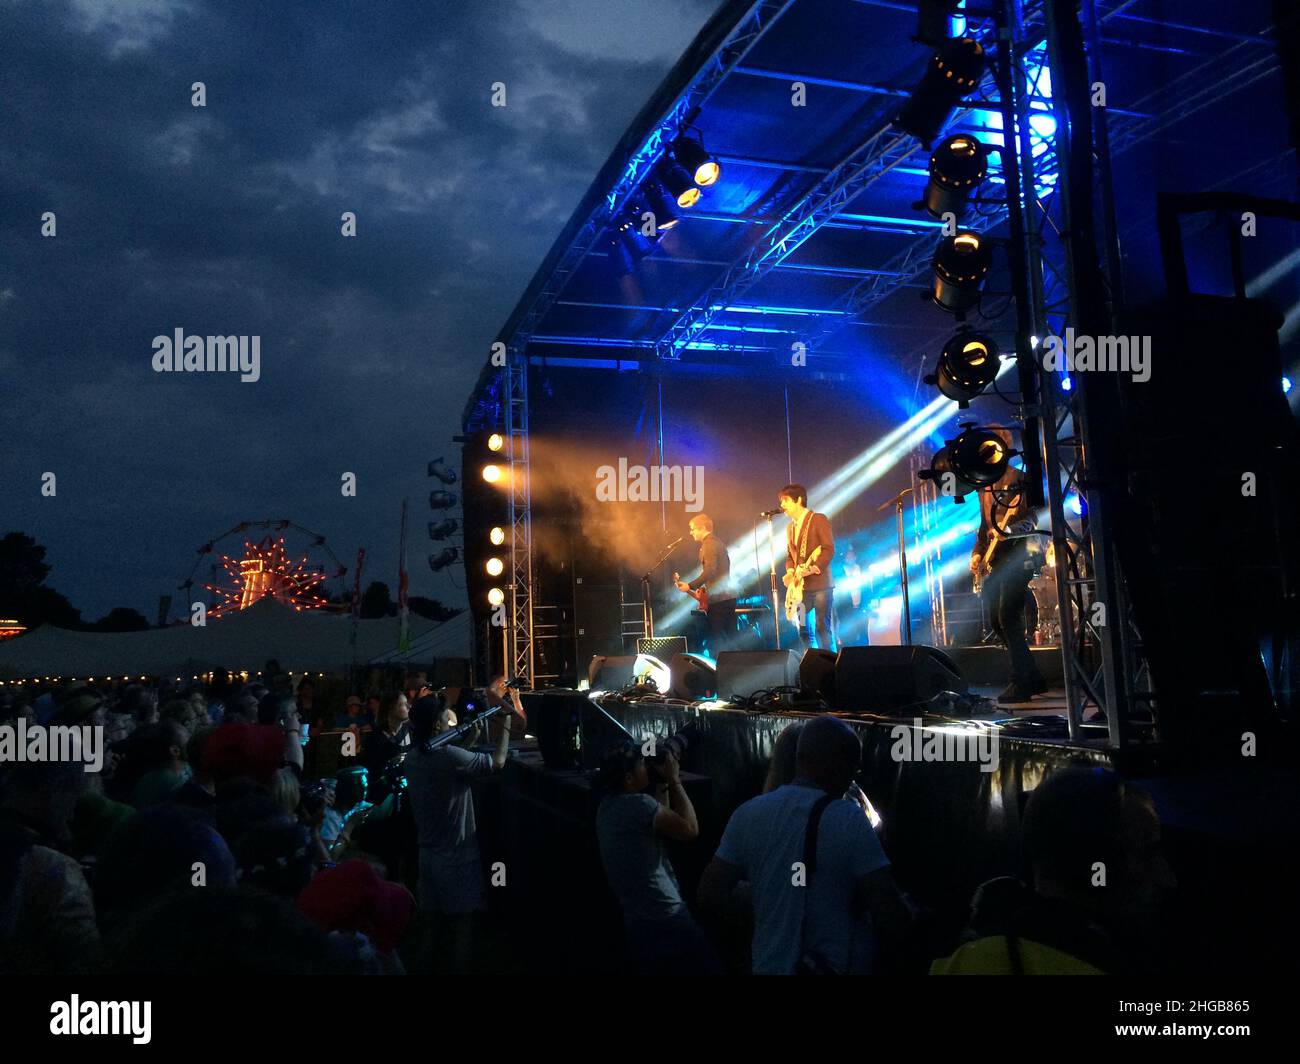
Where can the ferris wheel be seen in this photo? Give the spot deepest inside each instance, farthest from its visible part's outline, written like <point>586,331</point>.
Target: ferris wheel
<point>266,559</point>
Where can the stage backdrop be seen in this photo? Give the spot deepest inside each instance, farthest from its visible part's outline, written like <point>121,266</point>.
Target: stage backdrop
<point>731,444</point>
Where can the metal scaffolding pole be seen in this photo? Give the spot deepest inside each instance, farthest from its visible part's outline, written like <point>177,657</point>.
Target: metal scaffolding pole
<point>1093,614</point>
<point>519,626</point>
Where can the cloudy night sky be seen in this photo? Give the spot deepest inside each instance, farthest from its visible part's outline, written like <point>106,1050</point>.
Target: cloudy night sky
<point>226,220</point>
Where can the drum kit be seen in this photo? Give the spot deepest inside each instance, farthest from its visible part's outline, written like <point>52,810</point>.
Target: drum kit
<point>1044,589</point>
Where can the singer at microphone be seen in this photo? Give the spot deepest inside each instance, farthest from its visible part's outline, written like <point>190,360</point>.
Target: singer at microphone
<point>719,598</point>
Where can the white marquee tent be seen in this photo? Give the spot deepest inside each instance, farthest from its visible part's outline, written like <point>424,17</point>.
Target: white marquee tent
<point>301,642</point>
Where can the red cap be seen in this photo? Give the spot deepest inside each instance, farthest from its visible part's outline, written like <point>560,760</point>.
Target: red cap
<point>353,897</point>
<point>237,748</point>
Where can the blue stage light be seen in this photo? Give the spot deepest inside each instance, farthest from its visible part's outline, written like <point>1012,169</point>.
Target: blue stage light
<point>1286,385</point>
<point>1074,503</point>
<point>1066,384</point>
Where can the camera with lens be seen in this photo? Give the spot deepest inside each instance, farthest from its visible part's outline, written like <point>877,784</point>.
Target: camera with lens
<point>676,744</point>
<point>312,797</point>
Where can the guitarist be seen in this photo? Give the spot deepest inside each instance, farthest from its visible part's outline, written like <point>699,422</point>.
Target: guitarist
<point>712,588</point>
<point>1002,571</point>
<point>809,550</point>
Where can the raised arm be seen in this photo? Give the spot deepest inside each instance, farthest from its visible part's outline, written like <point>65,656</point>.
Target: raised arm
<point>677,820</point>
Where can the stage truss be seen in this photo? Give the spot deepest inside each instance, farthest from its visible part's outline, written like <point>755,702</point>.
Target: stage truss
<point>1102,656</point>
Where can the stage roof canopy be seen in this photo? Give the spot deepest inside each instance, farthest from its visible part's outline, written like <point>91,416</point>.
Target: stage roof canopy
<point>811,235</point>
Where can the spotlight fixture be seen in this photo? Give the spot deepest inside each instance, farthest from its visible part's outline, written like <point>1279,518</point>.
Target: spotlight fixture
<point>447,476</point>
<point>976,459</point>
<point>443,529</point>
<point>957,167</point>
<point>961,264</point>
<point>497,535</point>
<point>661,205</point>
<point>629,246</point>
<point>952,73</point>
<point>496,442</point>
<point>496,596</point>
<point>492,473</point>
<point>442,500</point>
<point>438,562</point>
<point>933,20</point>
<point>967,365</point>
<point>678,183</point>
<point>495,567</point>
<point>702,167</point>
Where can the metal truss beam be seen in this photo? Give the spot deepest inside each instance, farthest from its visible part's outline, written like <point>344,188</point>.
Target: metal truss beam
<point>746,33</point>
<point>519,636</point>
<point>884,150</point>
<point>876,156</point>
<point>730,54</point>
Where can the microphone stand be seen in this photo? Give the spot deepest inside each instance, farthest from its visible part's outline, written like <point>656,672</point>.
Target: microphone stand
<point>906,617</point>
<point>648,610</point>
<point>771,564</point>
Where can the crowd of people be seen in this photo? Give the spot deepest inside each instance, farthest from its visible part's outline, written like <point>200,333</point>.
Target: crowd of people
<point>202,843</point>
<point>205,845</point>
<point>804,867</point>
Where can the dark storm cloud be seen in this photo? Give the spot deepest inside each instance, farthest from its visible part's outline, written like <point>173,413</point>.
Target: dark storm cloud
<point>225,220</point>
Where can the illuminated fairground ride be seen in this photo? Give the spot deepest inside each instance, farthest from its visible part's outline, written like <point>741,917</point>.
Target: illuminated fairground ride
<point>280,565</point>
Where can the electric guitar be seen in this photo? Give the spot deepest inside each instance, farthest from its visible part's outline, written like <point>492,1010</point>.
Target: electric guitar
<point>986,564</point>
<point>700,594</point>
<point>793,580</point>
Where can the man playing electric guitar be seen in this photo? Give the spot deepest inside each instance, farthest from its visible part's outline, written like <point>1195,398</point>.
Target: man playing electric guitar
<point>809,550</point>
<point>1001,571</point>
<point>712,588</point>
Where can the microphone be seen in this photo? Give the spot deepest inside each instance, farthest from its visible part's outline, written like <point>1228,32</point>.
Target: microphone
<point>674,543</point>
<point>769,513</point>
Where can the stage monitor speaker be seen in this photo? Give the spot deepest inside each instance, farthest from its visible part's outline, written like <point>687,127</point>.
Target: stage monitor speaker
<point>743,672</point>
<point>882,679</point>
<point>555,717</point>
<point>817,673</point>
<point>663,647</point>
<point>611,672</point>
<point>694,677</point>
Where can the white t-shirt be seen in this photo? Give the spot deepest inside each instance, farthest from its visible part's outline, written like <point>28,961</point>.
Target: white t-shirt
<point>765,838</point>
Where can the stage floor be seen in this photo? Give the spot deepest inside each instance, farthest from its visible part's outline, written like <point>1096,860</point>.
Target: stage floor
<point>1050,702</point>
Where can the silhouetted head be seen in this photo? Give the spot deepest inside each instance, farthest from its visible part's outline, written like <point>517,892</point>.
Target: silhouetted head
<point>829,754</point>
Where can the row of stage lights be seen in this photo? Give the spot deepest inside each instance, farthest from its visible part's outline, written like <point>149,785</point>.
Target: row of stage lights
<point>493,473</point>
<point>441,499</point>
<point>969,361</point>
<point>495,565</point>
<point>675,184</point>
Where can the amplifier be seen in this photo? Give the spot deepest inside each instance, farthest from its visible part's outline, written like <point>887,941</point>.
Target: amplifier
<point>663,647</point>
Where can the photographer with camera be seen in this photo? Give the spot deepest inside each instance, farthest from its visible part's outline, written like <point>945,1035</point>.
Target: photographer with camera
<point>631,825</point>
<point>498,692</point>
<point>451,878</point>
